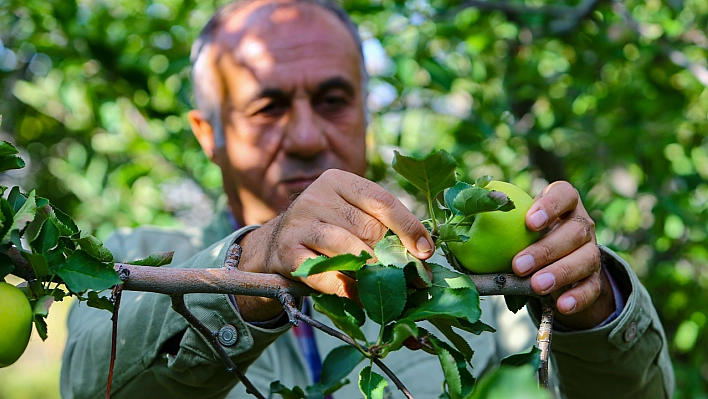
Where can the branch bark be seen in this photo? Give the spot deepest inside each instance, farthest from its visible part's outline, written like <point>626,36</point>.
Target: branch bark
<point>173,281</point>
<point>545,333</point>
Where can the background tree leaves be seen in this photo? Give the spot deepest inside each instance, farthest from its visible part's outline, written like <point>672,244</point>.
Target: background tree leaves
<point>102,119</point>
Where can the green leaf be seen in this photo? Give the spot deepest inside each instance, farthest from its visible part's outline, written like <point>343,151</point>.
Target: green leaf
<point>447,278</point>
<point>431,175</point>
<point>7,148</point>
<point>155,259</point>
<point>474,200</point>
<point>99,302</point>
<point>82,272</point>
<point>510,382</point>
<point>16,199</point>
<point>475,328</point>
<point>41,307</point>
<point>515,302</point>
<point>323,264</point>
<point>38,262</point>
<point>452,192</point>
<point>483,181</point>
<point>532,357</point>
<point>6,265</point>
<point>448,233</point>
<point>382,291</point>
<point>344,313</point>
<point>391,252</point>
<point>338,364</point>
<point>94,247</point>
<point>6,218</point>
<point>48,237</point>
<point>449,303</point>
<point>9,162</point>
<point>314,392</point>
<point>65,223</point>
<point>455,339</point>
<point>23,215</point>
<point>371,384</point>
<point>55,257</point>
<point>459,380</point>
<point>277,388</point>
<point>40,324</point>
<point>402,330</point>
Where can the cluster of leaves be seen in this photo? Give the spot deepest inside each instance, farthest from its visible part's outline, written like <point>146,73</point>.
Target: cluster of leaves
<point>397,292</point>
<point>41,244</point>
<point>609,99</point>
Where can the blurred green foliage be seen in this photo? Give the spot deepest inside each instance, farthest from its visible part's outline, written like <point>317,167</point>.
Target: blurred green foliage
<point>611,96</point>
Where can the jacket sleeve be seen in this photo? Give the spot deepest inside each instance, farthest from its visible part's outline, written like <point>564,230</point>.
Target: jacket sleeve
<point>147,325</point>
<point>627,358</point>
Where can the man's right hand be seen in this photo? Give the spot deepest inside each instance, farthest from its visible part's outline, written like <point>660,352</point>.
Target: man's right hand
<point>338,213</point>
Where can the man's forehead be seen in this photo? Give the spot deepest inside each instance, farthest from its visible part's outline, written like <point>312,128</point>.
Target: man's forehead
<point>279,25</point>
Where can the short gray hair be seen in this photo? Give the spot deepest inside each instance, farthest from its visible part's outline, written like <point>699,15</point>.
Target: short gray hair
<point>205,79</point>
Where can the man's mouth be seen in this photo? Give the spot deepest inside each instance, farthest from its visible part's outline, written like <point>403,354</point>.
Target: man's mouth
<point>299,184</point>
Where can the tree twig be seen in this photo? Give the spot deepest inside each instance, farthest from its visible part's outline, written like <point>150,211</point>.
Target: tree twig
<point>180,307</point>
<point>288,304</point>
<point>115,296</point>
<point>545,332</point>
<point>173,281</point>
<point>23,269</point>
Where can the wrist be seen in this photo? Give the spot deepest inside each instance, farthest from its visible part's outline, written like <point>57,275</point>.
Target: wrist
<point>252,256</point>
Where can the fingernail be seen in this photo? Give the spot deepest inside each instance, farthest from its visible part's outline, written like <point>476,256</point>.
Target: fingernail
<point>524,264</point>
<point>539,218</point>
<point>423,246</point>
<point>546,281</point>
<point>568,304</point>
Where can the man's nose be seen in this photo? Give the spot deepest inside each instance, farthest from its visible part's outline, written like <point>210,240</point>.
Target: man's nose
<point>304,135</point>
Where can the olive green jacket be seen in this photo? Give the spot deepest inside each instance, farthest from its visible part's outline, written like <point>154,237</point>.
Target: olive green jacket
<point>626,358</point>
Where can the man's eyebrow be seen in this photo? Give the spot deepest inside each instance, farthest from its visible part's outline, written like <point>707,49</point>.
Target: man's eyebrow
<point>337,82</point>
<point>270,93</point>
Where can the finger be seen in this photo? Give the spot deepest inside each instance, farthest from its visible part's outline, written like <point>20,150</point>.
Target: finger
<point>569,235</point>
<point>581,295</point>
<point>382,205</point>
<point>567,270</point>
<point>331,240</point>
<point>557,200</point>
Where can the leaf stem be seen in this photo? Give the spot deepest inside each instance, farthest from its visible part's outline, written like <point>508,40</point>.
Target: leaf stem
<point>117,294</point>
<point>431,209</point>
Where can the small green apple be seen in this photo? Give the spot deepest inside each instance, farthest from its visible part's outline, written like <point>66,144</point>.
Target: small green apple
<point>496,237</point>
<point>15,323</point>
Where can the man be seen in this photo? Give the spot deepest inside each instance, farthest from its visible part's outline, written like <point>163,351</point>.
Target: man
<point>279,86</point>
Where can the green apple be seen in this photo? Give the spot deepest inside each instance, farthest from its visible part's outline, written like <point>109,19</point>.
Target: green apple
<point>496,237</point>
<point>15,323</point>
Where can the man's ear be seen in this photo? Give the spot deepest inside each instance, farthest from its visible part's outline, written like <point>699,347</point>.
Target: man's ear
<point>203,131</point>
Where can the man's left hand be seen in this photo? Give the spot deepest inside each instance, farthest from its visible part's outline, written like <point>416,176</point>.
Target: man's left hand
<point>566,261</point>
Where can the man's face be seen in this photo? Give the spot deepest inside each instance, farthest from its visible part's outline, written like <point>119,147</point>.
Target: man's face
<point>293,104</point>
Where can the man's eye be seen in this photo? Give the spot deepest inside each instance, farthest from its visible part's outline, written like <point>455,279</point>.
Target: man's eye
<point>331,103</point>
<point>272,109</point>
